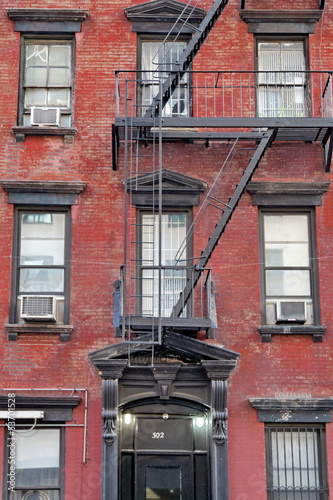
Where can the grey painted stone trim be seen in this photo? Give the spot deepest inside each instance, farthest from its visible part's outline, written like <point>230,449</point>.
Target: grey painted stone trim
<point>293,410</point>
<point>281,21</point>
<point>287,193</point>
<point>79,15</point>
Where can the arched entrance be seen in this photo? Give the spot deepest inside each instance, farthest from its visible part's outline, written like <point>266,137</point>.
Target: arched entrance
<point>164,452</point>
<point>165,423</point>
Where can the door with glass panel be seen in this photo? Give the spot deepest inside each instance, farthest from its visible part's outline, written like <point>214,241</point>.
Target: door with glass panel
<point>282,81</point>
<point>163,264</point>
<point>164,478</point>
<point>164,456</point>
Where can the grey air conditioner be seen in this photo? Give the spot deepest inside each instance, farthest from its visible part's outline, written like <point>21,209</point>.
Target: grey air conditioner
<point>290,311</point>
<point>38,307</point>
<point>45,116</point>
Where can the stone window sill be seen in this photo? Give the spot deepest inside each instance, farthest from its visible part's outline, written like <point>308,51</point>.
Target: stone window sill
<point>14,330</point>
<point>316,331</point>
<point>68,133</point>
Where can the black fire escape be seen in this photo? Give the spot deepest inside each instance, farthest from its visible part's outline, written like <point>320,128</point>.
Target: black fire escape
<point>237,121</point>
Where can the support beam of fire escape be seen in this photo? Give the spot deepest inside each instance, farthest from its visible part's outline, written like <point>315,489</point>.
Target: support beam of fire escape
<point>221,225</point>
<point>178,70</point>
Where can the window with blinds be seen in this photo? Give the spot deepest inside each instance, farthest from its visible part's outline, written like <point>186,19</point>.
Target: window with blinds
<point>282,79</point>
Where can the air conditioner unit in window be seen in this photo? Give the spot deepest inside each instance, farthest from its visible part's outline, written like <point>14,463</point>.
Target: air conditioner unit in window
<point>290,311</point>
<point>38,308</point>
<point>45,116</point>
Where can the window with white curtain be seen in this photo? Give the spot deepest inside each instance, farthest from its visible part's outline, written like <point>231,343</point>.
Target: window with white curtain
<point>296,465</point>
<point>162,263</point>
<point>281,80</point>
<point>157,58</point>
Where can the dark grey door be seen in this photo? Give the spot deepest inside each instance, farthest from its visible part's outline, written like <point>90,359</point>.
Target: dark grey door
<point>164,477</point>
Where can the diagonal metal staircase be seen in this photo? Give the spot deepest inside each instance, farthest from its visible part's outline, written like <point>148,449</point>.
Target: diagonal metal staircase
<point>178,70</point>
<point>222,224</point>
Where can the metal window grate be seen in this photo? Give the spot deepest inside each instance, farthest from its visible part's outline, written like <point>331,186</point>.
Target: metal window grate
<point>295,463</point>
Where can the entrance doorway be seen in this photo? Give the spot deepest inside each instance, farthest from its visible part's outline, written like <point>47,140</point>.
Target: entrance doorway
<point>164,454</point>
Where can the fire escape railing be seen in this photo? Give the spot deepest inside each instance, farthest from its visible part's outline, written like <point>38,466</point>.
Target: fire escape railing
<point>293,94</point>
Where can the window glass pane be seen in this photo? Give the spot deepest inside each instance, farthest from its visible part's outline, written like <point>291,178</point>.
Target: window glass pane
<point>163,483</point>
<point>172,283</point>
<point>37,457</point>
<point>58,97</point>
<point>34,495</point>
<point>173,232</point>
<point>42,243</point>
<point>59,77</point>
<point>59,55</point>
<point>35,97</point>
<point>36,77</point>
<point>286,240</point>
<point>36,55</point>
<point>288,228</point>
<point>288,283</point>
<point>41,280</point>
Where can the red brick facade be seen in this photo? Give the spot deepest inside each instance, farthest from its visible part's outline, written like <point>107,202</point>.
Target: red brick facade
<point>40,364</point>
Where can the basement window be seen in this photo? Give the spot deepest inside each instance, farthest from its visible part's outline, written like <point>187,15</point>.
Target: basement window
<point>296,462</point>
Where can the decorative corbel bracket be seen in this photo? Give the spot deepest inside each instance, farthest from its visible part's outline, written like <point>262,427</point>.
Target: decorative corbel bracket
<point>164,376</point>
<point>110,410</point>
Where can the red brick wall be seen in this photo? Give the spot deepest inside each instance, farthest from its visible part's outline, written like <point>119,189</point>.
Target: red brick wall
<point>287,365</point>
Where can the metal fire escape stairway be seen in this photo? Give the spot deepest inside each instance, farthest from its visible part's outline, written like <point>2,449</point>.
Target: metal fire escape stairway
<point>220,227</point>
<point>178,70</point>
<point>156,129</point>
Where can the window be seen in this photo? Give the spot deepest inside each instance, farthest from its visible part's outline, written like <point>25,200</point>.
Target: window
<point>289,267</point>
<point>157,58</point>
<point>282,80</point>
<point>47,82</point>
<point>41,265</point>
<point>172,269</point>
<point>38,463</point>
<point>296,466</point>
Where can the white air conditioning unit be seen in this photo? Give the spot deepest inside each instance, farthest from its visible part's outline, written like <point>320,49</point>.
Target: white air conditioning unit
<point>38,307</point>
<point>291,311</point>
<point>45,116</point>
